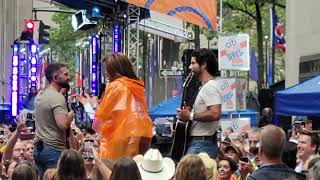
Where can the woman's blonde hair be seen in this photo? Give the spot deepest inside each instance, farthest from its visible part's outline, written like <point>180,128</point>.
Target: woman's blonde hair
<point>191,167</point>
<point>50,174</point>
<point>211,166</point>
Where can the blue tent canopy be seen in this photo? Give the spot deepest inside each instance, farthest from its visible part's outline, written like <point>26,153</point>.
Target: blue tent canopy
<point>167,108</point>
<point>300,100</point>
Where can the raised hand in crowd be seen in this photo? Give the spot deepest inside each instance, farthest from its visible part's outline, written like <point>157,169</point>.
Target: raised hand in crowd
<point>103,169</point>
<point>13,149</point>
<point>245,169</point>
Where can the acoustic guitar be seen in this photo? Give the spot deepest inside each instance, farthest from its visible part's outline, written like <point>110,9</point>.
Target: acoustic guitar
<point>180,140</point>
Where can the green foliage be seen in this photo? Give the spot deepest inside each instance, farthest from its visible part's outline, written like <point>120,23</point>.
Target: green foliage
<point>242,19</point>
<point>63,40</point>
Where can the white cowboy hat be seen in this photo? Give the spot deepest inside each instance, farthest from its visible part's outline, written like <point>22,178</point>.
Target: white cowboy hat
<point>153,167</point>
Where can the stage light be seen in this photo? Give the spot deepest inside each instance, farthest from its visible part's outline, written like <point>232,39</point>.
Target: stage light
<point>33,60</point>
<point>33,78</point>
<point>94,45</point>
<point>33,69</point>
<point>15,48</point>
<point>93,57</point>
<point>80,21</point>
<point>116,39</point>
<point>15,70</point>
<point>33,48</point>
<point>95,12</point>
<point>15,85</point>
<point>15,61</point>
<point>15,80</point>
<point>14,109</point>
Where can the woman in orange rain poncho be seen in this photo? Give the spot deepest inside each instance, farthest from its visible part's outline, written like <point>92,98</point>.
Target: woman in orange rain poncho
<point>122,119</point>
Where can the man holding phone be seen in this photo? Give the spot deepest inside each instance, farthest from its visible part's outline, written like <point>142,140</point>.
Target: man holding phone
<point>52,119</point>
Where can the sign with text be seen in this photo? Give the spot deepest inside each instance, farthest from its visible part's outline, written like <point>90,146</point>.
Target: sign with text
<point>235,125</point>
<point>233,94</point>
<point>234,52</point>
<point>169,72</point>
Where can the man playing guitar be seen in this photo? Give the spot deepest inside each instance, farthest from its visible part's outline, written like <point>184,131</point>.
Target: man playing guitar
<point>205,115</point>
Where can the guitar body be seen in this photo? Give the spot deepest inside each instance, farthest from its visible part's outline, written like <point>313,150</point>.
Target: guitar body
<point>180,140</point>
<point>182,129</point>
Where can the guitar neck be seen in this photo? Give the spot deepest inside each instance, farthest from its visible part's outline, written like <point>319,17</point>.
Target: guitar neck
<point>184,91</point>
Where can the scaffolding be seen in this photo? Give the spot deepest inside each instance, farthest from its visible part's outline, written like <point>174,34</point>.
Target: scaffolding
<point>132,36</point>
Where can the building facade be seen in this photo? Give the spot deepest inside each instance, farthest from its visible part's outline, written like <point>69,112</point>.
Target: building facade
<point>303,36</point>
<point>12,15</point>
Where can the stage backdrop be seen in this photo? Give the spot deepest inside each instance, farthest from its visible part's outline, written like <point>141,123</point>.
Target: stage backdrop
<point>199,12</point>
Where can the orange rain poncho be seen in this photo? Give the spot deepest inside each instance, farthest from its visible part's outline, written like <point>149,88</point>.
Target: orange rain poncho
<point>122,120</point>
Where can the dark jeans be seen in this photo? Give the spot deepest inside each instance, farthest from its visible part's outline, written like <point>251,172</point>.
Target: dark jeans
<point>207,146</point>
<point>46,158</point>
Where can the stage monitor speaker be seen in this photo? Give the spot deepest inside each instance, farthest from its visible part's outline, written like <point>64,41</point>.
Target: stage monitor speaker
<point>193,88</point>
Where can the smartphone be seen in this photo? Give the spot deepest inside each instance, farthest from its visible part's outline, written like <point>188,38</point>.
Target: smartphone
<point>244,159</point>
<point>30,116</point>
<point>31,124</point>
<point>87,149</point>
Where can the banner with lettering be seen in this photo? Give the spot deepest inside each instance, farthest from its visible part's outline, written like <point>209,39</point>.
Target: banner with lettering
<point>236,125</point>
<point>199,12</point>
<point>233,94</point>
<point>234,52</point>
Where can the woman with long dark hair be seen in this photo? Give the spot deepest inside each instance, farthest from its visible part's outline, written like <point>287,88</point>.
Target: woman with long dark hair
<point>125,169</point>
<point>71,166</point>
<point>121,119</point>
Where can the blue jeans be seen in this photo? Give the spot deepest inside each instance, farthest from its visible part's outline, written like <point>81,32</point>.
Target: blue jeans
<point>45,159</point>
<point>207,146</point>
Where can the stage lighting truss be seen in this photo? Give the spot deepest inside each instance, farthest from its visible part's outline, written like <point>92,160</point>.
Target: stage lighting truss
<point>33,65</point>
<point>116,39</point>
<point>94,48</point>
<point>15,80</point>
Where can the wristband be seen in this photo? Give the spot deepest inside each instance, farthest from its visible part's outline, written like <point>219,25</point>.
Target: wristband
<point>191,116</point>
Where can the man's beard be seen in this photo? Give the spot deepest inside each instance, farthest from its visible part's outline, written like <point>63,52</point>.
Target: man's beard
<point>196,74</point>
<point>64,84</point>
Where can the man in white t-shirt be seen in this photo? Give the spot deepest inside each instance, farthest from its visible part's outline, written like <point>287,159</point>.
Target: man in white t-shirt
<point>206,112</point>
